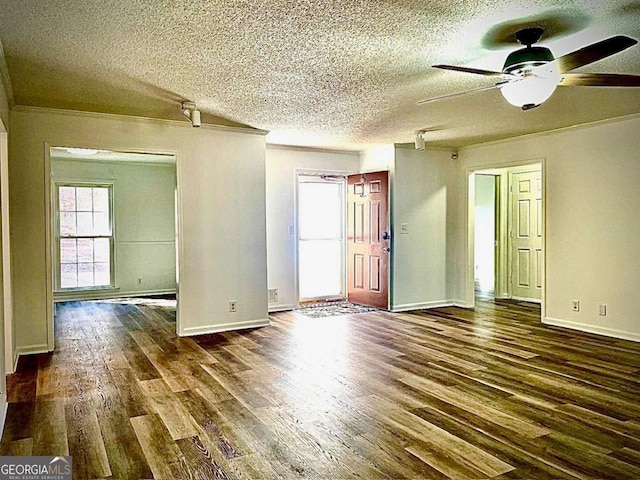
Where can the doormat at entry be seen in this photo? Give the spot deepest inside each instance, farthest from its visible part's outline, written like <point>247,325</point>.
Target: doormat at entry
<point>334,309</point>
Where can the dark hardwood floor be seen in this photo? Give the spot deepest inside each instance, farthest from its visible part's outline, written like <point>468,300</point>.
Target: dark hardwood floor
<point>444,393</point>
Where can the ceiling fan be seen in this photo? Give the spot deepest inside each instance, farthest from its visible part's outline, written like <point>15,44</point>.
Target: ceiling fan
<point>531,74</point>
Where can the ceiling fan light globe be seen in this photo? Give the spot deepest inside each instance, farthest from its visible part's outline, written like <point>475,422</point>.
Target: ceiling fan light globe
<point>530,90</point>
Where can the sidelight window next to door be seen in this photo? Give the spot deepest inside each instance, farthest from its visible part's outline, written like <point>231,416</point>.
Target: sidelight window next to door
<point>321,213</point>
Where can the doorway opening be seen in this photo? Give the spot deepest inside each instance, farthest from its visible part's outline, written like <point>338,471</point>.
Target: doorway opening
<point>321,237</point>
<point>485,234</point>
<point>344,239</point>
<point>508,235</point>
<point>112,226</point>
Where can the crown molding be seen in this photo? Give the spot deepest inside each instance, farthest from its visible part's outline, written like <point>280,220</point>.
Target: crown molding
<point>579,126</point>
<point>133,118</point>
<point>299,148</point>
<point>427,147</point>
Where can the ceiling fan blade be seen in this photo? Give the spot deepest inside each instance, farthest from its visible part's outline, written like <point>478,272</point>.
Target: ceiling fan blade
<point>477,71</point>
<point>429,100</point>
<point>594,52</point>
<point>599,80</point>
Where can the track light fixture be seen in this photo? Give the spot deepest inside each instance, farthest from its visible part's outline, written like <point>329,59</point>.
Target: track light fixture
<point>419,141</point>
<point>190,111</point>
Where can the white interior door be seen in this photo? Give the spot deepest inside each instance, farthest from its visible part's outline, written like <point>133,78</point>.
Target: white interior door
<point>321,208</point>
<point>526,235</point>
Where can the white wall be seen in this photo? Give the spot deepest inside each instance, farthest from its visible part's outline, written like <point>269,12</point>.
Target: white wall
<point>422,186</point>
<point>592,174</point>
<point>485,230</point>
<point>7,341</point>
<point>6,321</point>
<point>4,107</point>
<point>221,190</point>
<point>378,159</point>
<point>281,166</point>
<point>144,220</point>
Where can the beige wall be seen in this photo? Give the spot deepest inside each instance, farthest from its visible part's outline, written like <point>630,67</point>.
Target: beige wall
<point>144,220</point>
<point>221,187</point>
<point>6,324</point>
<point>7,346</point>
<point>423,186</point>
<point>592,174</point>
<point>282,165</point>
<point>4,107</point>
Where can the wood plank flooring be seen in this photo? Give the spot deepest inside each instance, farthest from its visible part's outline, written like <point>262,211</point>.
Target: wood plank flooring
<point>444,393</point>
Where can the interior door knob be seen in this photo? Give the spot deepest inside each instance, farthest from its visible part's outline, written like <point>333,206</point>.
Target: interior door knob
<point>386,249</point>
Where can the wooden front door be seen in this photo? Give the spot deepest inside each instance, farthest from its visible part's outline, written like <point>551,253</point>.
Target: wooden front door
<point>368,238</point>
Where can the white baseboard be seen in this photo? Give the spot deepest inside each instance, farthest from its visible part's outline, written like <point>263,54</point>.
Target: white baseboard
<point>461,304</point>
<point>585,327</point>
<point>525,299</point>
<point>281,307</point>
<point>224,327</point>
<point>97,295</point>
<point>32,349</point>
<point>422,305</point>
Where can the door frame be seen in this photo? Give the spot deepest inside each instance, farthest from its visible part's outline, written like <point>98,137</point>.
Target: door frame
<point>298,172</point>
<point>49,234</point>
<point>497,230</point>
<point>7,354</point>
<point>469,301</point>
<point>388,228</point>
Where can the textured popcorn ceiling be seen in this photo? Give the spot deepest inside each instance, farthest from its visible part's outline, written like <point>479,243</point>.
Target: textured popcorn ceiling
<point>341,74</point>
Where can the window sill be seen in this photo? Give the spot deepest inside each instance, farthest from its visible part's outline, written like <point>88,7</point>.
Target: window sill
<point>73,291</point>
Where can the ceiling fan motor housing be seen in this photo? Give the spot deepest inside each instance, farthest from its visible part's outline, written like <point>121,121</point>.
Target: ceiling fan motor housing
<point>526,59</point>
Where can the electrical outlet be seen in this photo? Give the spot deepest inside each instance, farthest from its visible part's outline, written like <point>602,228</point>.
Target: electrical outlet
<point>233,306</point>
<point>404,228</point>
<point>575,305</point>
<point>272,295</point>
<point>603,309</point>
<point>139,281</point>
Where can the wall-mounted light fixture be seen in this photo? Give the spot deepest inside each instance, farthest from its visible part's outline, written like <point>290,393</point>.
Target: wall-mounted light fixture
<point>419,141</point>
<point>190,111</point>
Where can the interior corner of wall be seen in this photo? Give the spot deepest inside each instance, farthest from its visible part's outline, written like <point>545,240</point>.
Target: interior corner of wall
<point>14,365</point>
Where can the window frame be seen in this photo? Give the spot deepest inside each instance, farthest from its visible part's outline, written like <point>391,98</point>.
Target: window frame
<point>341,181</point>
<point>56,225</point>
